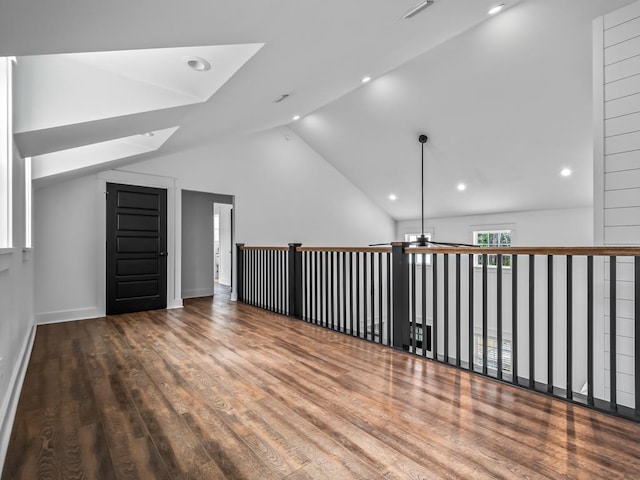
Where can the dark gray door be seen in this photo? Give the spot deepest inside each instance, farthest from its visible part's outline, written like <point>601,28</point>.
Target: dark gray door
<point>136,248</point>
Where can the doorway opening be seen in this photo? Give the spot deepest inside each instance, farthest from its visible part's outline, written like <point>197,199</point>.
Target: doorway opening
<point>207,239</point>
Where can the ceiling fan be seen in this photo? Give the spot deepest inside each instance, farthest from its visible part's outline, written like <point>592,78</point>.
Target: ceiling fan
<point>422,240</point>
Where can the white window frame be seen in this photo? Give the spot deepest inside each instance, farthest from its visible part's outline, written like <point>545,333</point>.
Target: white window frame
<point>6,153</point>
<point>412,237</point>
<point>506,259</point>
<point>492,353</point>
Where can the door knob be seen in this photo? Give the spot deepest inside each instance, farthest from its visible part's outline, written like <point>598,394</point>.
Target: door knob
<point>163,254</point>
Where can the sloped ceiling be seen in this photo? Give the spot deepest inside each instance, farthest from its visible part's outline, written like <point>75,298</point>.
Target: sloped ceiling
<point>487,90</point>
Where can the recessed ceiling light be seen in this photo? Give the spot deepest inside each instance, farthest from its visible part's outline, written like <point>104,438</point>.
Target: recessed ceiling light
<point>462,187</point>
<point>198,64</point>
<point>366,79</point>
<point>565,172</point>
<point>496,9</point>
<point>392,197</point>
<point>296,117</point>
<point>416,9</point>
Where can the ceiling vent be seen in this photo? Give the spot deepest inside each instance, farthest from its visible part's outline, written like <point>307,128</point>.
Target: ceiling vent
<point>416,9</point>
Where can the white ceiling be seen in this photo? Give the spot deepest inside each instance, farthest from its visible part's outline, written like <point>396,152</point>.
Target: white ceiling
<point>452,72</point>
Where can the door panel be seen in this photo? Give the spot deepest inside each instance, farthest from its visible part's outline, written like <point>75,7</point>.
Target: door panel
<point>136,248</point>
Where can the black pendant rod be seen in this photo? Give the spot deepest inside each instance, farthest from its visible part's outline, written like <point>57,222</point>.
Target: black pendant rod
<point>422,241</point>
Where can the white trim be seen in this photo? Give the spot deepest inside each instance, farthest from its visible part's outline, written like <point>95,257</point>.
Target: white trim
<point>200,292</point>
<point>68,315</point>
<point>10,402</point>
<point>174,205</point>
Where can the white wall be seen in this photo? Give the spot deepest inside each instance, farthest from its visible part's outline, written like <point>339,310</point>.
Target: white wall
<point>68,250</point>
<point>617,177</point>
<point>284,192</point>
<point>17,329</point>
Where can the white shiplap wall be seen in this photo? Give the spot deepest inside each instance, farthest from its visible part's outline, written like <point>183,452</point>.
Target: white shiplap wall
<point>617,93</point>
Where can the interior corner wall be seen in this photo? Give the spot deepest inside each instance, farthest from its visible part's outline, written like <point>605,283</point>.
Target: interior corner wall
<point>616,74</point>
<point>17,328</point>
<point>67,250</point>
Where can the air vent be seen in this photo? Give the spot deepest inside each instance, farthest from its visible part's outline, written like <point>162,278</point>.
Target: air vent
<point>418,8</point>
<point>281,98</point>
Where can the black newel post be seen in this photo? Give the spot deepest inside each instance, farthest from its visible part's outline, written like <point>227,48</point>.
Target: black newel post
<point>240,271</point>
<point>295,281</point>
<point>400,318</point>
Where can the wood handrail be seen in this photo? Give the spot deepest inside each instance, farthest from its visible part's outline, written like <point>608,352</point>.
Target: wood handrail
<point>345,249</point>
<point>604,251</point>
<point>608,251</point>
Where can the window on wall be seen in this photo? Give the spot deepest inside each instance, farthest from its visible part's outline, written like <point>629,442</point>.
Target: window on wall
<point>492,353</point>
<point>413,237</point>
<point>27,202</point>
<point>6,152</point>
<point>493,239</point>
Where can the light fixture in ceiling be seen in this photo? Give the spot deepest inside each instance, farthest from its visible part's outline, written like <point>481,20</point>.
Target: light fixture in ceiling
<point>393,197</point>
<point>565,172</point>
<point>416,9</point>
<point>149,134</point>
<point>461,187</point>
<point>496,9</point>
<point>198,64</point>
<point>366,79</point>
<point>296,117</point>
<point>281,98</point>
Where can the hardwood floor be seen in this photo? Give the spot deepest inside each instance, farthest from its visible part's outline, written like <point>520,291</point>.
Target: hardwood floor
<point>224,390</point>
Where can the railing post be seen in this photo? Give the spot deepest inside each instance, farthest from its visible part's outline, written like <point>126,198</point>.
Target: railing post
<point>240,271</point>
<point>295,281</point>
<point>400,317</point>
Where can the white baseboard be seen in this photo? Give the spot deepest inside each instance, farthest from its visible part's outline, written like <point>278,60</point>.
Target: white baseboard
<point>200,292</point>
<point>68,315</point>
<point>10,402</point>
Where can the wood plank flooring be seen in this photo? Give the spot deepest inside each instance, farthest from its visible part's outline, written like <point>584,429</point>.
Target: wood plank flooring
<point>224,390</point>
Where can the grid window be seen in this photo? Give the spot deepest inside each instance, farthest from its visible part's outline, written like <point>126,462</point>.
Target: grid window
<point>493,239</point>
<point>492,353</point>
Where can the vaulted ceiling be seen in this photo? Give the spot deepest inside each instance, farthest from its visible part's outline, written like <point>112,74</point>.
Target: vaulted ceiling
<point>98,76</point>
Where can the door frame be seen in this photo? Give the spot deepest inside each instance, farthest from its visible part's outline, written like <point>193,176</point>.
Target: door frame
<point>174,206</point>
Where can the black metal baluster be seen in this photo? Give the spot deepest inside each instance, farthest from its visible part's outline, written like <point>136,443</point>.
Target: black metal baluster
<point>423,295</point>
<point>434,324</point>
<point>351,299</point>
<point>532,331</point>
<point>471,332</point>
<point>365,256</point>
<point>373,297</point>
<point>446,308</point>
<point>390,320</point>
<point>499,313</point>
<point>549,323</point>
<point>569,327</point>
<point>613,334</point>
<point>485,319</point>
<point>331,291</point>
<point>344,293</point>
<point>381,323</point>
<point>316,299</point>
<point>324,294</point>
<point>458,316</point>
<point>358,294</point>
<point>307,286</point>
<point>637,334</point>
<point>412,321</point>
<point>514,319</point>
<point>590,330</point>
